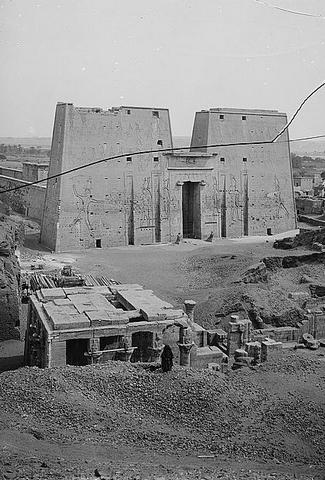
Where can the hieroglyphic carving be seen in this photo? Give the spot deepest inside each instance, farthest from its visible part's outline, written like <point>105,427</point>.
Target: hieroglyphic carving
<point>234,201</point>
<point>169,202</point>
<point>274,200</point>
<point>83,203</point>
<point>215,196</point>
<point>143,205</point>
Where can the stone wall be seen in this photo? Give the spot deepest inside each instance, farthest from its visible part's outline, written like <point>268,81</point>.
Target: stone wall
<point>309,206</point>
<point>33,172</point>
<point>27,201</point>
<point>11,172</point>
<point>254,182</point>
<point>314,324</point>
<point>114,203</point>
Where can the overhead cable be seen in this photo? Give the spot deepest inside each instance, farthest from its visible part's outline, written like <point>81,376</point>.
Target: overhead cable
<point>287,10</point>
<point>143,152</point>
<point>297,111</point>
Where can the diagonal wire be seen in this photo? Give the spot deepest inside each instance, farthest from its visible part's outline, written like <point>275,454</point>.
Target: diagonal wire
<point>143,152</point>
<point>297,111</point>
<point>287,10</point>
<point>171,149</point>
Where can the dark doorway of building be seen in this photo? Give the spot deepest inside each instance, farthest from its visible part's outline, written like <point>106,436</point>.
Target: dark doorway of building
<point>191,210</point>
<point>144,342</point>
<point>110,343</point>
<point>98,243</point>
<point>75,352</point>
<point>269,231</point>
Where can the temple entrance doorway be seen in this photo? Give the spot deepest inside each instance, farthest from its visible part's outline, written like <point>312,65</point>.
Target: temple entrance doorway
<point>191,207</point>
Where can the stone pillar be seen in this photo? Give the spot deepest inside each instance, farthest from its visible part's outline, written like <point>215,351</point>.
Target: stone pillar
<point>254,350</point>
<point>58,354</point>
<point>270,349</point>
<point>189,309</point>
<point>239,333</point>
<point>317,321</point>
<point>94,344</point>
<point>185,349</point>
<point>127,354</point>
<point>126,345</point>
<point>93,354</point>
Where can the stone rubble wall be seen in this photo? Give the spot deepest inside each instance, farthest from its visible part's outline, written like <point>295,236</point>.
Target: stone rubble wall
<point>27,201</point>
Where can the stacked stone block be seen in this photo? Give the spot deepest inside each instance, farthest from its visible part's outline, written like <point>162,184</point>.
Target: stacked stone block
<point>270,349</point>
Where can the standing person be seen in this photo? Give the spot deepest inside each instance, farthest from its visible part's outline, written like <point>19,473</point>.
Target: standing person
<point>167,359</point>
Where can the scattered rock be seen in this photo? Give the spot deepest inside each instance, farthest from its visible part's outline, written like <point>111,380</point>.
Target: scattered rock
<point>256,273</point>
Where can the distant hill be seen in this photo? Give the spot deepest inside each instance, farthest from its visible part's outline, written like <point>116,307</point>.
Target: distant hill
<point>43,142</point>
<point>311,148</point>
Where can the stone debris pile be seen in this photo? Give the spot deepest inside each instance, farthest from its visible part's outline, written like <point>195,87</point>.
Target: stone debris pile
<point>185,411</point>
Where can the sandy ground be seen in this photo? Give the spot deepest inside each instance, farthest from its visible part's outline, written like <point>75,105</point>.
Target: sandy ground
<point>192,270</point>
<point>162,268</point>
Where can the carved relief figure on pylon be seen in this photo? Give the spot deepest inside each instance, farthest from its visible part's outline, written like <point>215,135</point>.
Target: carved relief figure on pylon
<point>234,200</point>
<point>84,202</point>
<point>169,202</point>
<point>275,199</point>
<point>165,199</point>
<point>145,203</point>
<point>215,196</point>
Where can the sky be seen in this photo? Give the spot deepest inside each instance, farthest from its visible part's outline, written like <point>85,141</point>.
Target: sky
<point>185,55</point>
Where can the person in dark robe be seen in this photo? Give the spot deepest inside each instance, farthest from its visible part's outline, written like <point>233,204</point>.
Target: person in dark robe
<point>167,359</point>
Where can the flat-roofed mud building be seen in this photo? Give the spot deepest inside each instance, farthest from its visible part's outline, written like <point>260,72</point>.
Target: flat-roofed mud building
<point>142,199</point>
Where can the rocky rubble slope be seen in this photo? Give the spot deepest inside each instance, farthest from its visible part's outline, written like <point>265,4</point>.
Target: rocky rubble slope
<point>237,285</point>
<point>275,413</point>
<point>11,234</point>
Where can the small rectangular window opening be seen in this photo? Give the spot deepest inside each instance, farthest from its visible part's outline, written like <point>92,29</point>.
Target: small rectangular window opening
<point>160,143</point>
<point>269,231</point>
<point>222,117</point>
<point>129,159</point>
<point>156,159</point>
<point>222,159</point>
<point>244,159</point>
<point>98,243</point>
<point>128,112</point>
<point>155,113</point>
<point>244,117</point>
